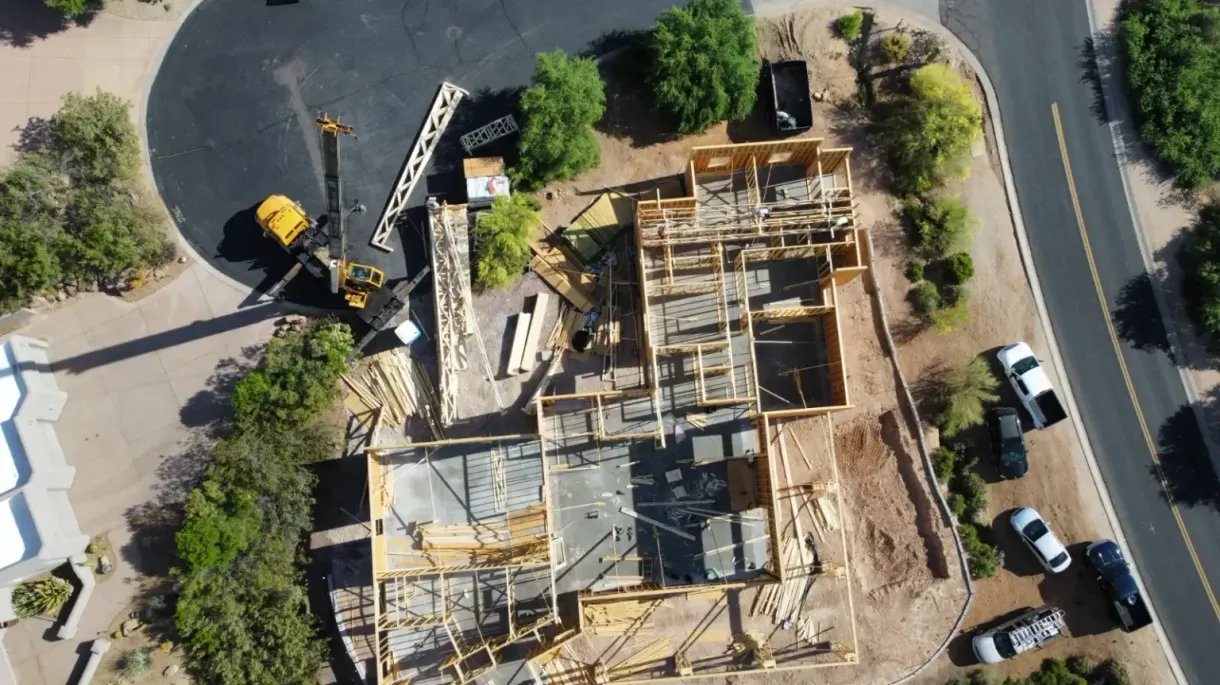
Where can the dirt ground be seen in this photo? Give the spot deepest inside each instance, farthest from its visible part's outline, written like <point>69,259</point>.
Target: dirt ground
<point>904,563</point>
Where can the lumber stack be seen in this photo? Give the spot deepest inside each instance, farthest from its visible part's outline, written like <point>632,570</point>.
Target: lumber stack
<point>396,385</point>
<point>562,269</point>
<point>620,618</point>
<point>784,601</point>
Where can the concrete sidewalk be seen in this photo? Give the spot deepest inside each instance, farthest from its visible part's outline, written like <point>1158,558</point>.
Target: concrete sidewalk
<point>42,58</point>
<point>140,378</point>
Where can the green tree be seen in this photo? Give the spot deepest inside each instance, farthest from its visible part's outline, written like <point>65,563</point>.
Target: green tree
<point>1200,260</point>
<point>848,26</point>
<point>925,298</point>
<point>943,461</point>
<point>566,99</point>
<point>109,234</point>
<point>1055,672</point>
<point>928,135</point>
<point>941,226</point>
<point>220,525</point>
<point>95,138</point>
<point>71,8</point>
<point>1173,75</point>
<point>503,239</point>
<point>28,265</point>
<point>954,311</point>
<point>34,187</point>
<point>704,63</point>
<point>296,379</point>
<point>968,390</point>
<point>960,268</point>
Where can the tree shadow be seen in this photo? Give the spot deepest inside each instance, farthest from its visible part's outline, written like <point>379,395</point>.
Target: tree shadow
<point>209,409</point>
<point>152,550</point>
<point>23,23</point>
<point>931,389</point>
<point>1136,317</point>
<point>34,137</point>
<point>1185,470</point>
<point>630,113</point>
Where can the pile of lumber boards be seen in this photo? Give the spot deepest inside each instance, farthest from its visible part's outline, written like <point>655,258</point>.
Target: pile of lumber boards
<point>523,354</point>
<point>397,386</point>
<point>621,618</point>
<point>562,269</point>
<point>784,601</point>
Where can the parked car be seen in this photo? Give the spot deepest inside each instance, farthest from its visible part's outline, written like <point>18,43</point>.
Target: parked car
<point>1031,630</point>
<point>1033,386</point>
<point>1007,442</point>
<point>1118,585</point>
<point>1038,536</point>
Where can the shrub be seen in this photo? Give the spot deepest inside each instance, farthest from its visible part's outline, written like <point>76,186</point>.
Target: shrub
<point>1110,672</point>
<point>43,596</point>
<point>925,298</point>
<point>975,677</point>
<point>954,310</point>
<point>982,558</point>
<point>940,226</point>
<point>296,378</point>
<point>220,526</point>
<point>33,188</point>
<point>895,47</point>
<point>135,663</point>
<point>973,491</point>
<point>928,135</point>
<point>1200,260</point>
<point>566,99</point>
<point>960,268</point>
<point>943,461</point>
<point>28,265</point>
<point>957,505</point>
<point>503,239</point>
<point>108,234</point>
<point>1172,53</point>
<point>705,64</point>
<point>95,138</point>
<point>849,25</point>
<point>1055,672</point>
<point>968,390</point>
<point>914,270</point>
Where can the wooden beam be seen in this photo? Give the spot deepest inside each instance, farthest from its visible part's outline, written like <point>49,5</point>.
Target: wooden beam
<point>518,347</point>
<point>529,356</point>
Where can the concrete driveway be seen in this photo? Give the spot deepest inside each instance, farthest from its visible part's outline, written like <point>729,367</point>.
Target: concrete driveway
<point>140,378</point>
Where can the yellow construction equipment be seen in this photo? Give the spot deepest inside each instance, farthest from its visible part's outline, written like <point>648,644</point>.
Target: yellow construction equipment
<point>322,252</point>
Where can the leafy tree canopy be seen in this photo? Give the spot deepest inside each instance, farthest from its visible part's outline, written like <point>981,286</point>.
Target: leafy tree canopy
<point>705,63</point>
<point>566,99</point>
<point>1173,75</point>
<point>928,135</point>
<point>71,8</point>
<point>503,236</point>
<point>220,525</point>
<point>296,378</point>
<point>95,138</point>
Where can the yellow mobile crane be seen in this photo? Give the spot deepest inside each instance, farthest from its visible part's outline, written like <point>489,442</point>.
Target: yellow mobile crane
<point>322,253</point>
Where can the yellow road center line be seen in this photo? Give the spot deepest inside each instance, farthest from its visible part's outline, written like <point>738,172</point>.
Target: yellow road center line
<point>1118,352</point>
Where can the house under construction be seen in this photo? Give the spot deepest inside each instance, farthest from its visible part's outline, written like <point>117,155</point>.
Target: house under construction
<point>653,530</point>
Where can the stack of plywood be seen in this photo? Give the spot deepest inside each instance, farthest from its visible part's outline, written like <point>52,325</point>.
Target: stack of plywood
<point>523,354</point>
<point>620,618</point>
<point>562,269</point>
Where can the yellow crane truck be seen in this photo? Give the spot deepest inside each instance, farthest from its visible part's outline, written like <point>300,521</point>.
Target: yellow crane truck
<point>322,252</point>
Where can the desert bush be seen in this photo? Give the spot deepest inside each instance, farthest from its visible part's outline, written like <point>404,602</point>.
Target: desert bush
<point>940,226</point>
<point>914,270</point>
<point>895,47</point>
<point>503,239</point>
<point>135,663</point>
<point>973,491</point>
<point>95,137</point>
<point>849,25</point>
<point>1173,76</point>
<point>28,264</point>
<point>46,595</point>
<point>983,559</point>
<point>943,461</point>
<point>296,378</point>
<point>704,64</point>
<point>954,311</point>
<point>974,677</point>
<point>968,390</point>
<point>108,233</point>
<point>561,106</point>
<point>960,268</point>
<point>1110,672</point>
<point>957,505</point>
<point>925,298</point>
<point>928,135</point>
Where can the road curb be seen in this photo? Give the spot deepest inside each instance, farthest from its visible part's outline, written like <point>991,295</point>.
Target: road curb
<point>1014,210</point>
<point>142,110</point>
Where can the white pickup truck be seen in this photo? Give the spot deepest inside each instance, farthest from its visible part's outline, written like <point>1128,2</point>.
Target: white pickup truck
<point>1029,379</point>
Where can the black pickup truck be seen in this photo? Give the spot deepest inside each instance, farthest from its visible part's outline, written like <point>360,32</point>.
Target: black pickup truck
<point>1118,585</point>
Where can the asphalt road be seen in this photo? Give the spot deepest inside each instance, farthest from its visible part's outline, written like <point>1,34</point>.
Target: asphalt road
<point>1035,53</point>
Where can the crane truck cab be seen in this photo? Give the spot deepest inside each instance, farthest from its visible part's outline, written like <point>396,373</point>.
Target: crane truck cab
<point>282,219</point>
<point>359,281</point>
